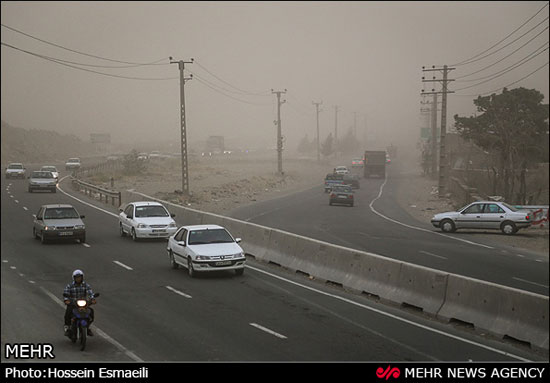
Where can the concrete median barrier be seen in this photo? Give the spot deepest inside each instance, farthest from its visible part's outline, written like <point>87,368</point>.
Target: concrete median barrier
<point>497,309</point>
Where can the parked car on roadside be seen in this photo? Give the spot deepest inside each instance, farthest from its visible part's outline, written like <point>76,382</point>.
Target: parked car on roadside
<point>58,221</point>
<point>341,195</point>
<point>53,169</point>
<point>146,219</point>
<point>72,163</point>
<point>484,215</point>
<point>202,248</point>
<point>15,170</point>
<point>42,180</point>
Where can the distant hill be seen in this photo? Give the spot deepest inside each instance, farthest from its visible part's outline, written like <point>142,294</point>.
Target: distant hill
<point>31,146</point>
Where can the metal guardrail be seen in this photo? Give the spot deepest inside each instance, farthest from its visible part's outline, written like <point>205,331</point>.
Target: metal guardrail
<point>90,189</point>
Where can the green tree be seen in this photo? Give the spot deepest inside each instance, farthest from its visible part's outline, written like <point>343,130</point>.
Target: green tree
<point>327,147</point>
<point>513,126</point>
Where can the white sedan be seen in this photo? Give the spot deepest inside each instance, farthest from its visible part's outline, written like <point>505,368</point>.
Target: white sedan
<point>205,248</point>
<point>53,169</point>
<point>146,219</point>
<point>484,215</point>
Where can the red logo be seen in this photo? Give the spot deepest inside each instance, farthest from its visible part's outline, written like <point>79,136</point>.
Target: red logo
<point>388,372</point>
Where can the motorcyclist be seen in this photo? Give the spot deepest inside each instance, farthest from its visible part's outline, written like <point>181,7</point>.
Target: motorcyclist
<point>77,289</point>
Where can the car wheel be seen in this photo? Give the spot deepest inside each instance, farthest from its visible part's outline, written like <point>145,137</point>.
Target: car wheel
<point>83,239</point>
<point>43,239</point>
<point>134,235</point>
<point>54,190</point>
<point>30,190</point>
<point>239,271</point>
<point>34,233</point>
<point>122,232</point>
<point>172,260</point>
<point>190,269</point>
<point>330,203</point>
<point>447,226</point>
<point>508,228</point>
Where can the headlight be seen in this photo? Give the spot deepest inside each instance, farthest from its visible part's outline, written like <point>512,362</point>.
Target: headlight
<point>238,255</point>
<point>203,258</point>
<point>81,303</point>
<point>78,227</point>
<point>49,228</point>
<point>172,224</point>
<point>141,226</point>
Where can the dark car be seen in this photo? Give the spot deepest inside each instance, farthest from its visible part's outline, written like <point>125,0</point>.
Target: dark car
<point>352,180</point>
<point>341,194</point>
<point>333,179</point>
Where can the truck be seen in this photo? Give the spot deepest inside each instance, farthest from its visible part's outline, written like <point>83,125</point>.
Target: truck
<point>374,163</point>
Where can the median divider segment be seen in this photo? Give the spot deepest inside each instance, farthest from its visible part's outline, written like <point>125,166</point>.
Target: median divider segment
<point>500,310</point>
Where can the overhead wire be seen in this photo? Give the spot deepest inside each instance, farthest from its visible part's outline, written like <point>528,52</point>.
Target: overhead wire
<point>467,61</point>
<point>156,62</point>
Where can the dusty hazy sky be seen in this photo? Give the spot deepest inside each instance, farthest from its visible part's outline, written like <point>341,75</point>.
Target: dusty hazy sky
<point>365,57</point>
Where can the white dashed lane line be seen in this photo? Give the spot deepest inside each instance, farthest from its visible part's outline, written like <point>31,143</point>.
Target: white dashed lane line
<point>432,254</point>
<point>123,265</point>
<point>178,292</point>
<point>25,208</point>
<point>268,331</point>
<point>532,283</point>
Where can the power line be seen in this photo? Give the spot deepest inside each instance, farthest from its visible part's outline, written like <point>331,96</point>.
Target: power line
<point>225,82</point>
<point>464,62</point>
<point>226,95</point>
<point>503,73</point>
<point>82,53</point>
<point>60,62</point>
<point>505,57</point>
<point>506,86</point>
<point>510,43</point>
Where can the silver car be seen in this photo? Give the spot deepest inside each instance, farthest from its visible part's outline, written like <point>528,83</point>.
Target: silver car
<point>15,170</point>
<point>59,221</point>
<point>53,169</point>
<point>42,180</point>
<point>484,215</point>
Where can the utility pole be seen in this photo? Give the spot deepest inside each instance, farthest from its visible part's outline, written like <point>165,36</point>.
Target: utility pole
<point>442,151</point>
<point>279,135</point>
<point>335,130</point>
<point>434,134</point>
<point>318,143</point>
<point>183,128</point>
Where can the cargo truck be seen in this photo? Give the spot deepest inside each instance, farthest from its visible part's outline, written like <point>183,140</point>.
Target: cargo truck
<point>375,163</point>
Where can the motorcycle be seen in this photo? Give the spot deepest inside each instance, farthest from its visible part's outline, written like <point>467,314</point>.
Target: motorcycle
<point>80,320</point>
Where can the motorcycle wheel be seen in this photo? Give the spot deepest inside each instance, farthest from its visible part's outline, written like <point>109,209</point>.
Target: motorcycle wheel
<point>82,338</point>
<point>73,334</point>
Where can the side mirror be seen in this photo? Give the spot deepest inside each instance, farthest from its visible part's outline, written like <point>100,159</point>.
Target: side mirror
<point>181,243</point>
<point>130,216</point>
<point>82,216</point>
<point>172,215</point>
<point>238,240</point>
<point>95,295</point>
<point>39,219</point>
<point>120,209</point>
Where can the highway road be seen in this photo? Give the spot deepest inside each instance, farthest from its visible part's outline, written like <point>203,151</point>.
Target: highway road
<point>377,224</point>
<point>148,311</point>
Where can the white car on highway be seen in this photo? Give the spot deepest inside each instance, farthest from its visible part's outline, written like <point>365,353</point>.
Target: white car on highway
<point>146,219</point>
<point>484,215</point>
<point>205,248</point>
<point>15,170</point>
<point>53,169</point>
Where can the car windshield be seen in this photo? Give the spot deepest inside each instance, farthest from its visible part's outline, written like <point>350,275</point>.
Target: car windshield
<point>15,166</point>
<point>42,175</point>
<point>61,213</point>
<point>48,169</point>
<point>73,160</point>
<point>207,236</point>
<point>151,211</point>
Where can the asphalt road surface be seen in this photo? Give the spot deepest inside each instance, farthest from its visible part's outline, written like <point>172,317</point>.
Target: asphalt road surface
<point>148,311</point>
<point>377,224</point>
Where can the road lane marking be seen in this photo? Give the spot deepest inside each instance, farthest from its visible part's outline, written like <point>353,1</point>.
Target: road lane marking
<point>391,315</point>
<point>102,333</point>
<point>520,255</point>
<point>16,201</point>
<point>84,202</point>
<point>13,267</point>
<point>123,265</point>
<point>25,208</point>
<point>5,261</point>
<point>178,292</point>
<point>417,228</point>
<point>432,254</point>
<point>86,245</point>
<point>533,283</point>
<point>268,330</point>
